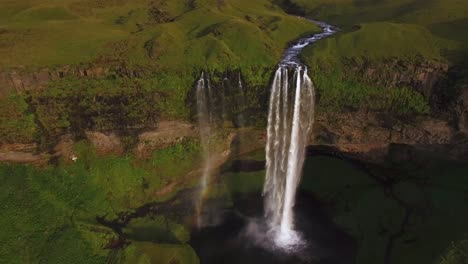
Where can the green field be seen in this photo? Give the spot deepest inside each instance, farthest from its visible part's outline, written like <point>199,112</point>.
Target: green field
<point>161,34</point>
<point>393,28</point>
<point>49,214</point>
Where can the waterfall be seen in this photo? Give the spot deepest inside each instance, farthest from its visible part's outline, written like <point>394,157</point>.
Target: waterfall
<point>204,97</point>
<point>241,102</point>
<point>290,119</point>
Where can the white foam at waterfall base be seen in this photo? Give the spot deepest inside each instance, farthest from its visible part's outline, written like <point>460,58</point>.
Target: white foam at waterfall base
<point>289,124</point>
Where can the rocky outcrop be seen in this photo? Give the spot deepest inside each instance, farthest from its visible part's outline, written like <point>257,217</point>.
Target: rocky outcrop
<point>22,153</point>
<point>105,143</point>
<point>167,133</point>
<point>21,80</point>
<point>64,149</point>
<point>369,136</point>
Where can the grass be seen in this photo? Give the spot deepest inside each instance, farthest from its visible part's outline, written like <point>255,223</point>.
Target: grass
<point>338,94</point>
<point>144,252</point>
<point>17,124</point>
<point>160,34</point>
<point>398,27</point>
<point>377,42</point>
<point>157,229</point>
<point>37,218</point>
<point>174,162</point>
<point>376,34</point>
<point>49,213</point>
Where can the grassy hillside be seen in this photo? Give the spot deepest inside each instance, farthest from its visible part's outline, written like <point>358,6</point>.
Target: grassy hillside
<point>379,41</point>
<point>162,34</point>
<point>49,214</point>
<point>386,37</point>
<point>426,28</point>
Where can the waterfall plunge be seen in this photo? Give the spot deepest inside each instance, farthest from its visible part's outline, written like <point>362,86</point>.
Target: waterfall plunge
<point>290,119</point>
<point>204,98</point>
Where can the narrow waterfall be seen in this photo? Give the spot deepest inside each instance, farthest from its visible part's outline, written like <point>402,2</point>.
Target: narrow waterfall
<point>241,101</point>
<point>204,97</point>
<point>290,119</point>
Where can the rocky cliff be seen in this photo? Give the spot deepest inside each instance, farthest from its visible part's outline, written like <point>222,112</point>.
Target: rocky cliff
<point>362,133</point>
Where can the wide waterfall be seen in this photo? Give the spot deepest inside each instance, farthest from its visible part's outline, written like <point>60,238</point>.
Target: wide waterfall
<point>290,120</point>
<point>204,98</point>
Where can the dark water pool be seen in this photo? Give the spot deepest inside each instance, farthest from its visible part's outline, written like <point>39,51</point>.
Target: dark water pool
<point>346,215</point>
<point>230,241</point>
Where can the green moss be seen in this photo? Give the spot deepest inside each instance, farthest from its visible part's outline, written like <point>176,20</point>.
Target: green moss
<point>17,123</point>
<point>173,162</point>
<point>243,182</point>
<point>79,105</point>
<point>457,253</point>
<point>146,253</point>
<point>157,229</point>
<point>338,94</point>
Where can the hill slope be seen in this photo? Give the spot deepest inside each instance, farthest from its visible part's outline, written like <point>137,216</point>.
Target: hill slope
<point>163,34</point>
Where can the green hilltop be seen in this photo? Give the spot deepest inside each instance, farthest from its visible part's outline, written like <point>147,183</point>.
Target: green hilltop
<point>159,34</point>
<point>434,30</point>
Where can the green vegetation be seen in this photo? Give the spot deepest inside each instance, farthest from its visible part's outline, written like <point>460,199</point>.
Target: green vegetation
<point>157,229</point>
<point>457,253</point>
<point>377,42</point>
<point>172,163</point>
<point>147,253</point>
<point>385,37</point>
<point>339,94</point>
<point>382,49</point>
<point>100,104</point>
<point>245,182</point>
<point>17,124</point>
<point>373,213</point>
<point>401,28</point>
<point>49,213</point>
<point>173,35</point>
<point>39,219</point>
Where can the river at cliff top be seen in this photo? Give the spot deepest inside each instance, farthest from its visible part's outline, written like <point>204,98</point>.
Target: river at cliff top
<point>347,213</point>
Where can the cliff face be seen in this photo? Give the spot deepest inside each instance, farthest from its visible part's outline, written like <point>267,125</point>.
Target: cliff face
<point>22,79</point>
<point>364,134</point>
<point>462,110</point>
<point>370,136</point>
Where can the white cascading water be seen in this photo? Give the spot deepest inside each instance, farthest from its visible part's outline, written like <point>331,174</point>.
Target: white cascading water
<point>204,98</point>
<point>290,120</point>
